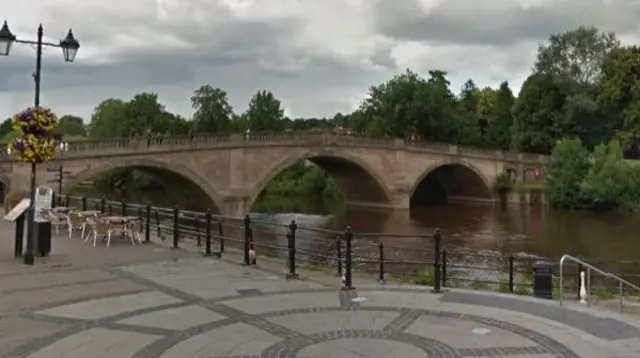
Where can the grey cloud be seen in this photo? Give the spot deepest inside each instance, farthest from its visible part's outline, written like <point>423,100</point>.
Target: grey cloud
<point>500,22</point>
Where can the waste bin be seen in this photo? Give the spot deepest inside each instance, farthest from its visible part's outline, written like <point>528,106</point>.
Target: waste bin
<point>542,280</point>
<point>43,234</point>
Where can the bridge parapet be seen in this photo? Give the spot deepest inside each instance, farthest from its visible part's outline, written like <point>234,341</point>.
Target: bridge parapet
<point>140,145</point>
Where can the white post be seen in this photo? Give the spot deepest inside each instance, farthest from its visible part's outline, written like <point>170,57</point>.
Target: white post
<point>583,289</point>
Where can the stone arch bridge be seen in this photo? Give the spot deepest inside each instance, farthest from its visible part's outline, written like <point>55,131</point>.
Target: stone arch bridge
<point>232,170</point>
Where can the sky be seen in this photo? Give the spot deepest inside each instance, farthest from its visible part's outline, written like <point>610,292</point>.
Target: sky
<point>318,56</point>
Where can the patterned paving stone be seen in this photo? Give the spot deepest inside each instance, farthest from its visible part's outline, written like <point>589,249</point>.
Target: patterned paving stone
<point>263,304</point>
<point>361,347</point>
<point>460,333</point>
<point>237,339</point>
<point>96,343</point>
<point>317,322</point>
<point>105,307</point>
<point>175,318</point>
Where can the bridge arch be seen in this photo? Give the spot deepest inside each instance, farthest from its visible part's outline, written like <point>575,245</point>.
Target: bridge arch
<point>358,180</point>
<point>451,180</point>
<point>155,166</point>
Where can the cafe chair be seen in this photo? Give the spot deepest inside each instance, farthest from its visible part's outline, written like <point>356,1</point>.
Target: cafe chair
<point>98,227</point>
<point>57,219</point>
<point>76,222</point>
<point>133,231</point>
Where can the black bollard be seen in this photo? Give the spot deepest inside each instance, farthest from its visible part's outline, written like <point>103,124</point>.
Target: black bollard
<point>84,203</point>
<point>176,227</point>
<point>339,255</point>
<point>381,263</point>
<point>444,268</point>
<point>348,236</point>
<point>291,237</point>
<point>221,234</point>
<point>511,260</point>
<point>123,205</point>
<point>207,240</point>
<point>147,228</point>
<point>436,262</point>
<point>247,238</point>
<point>103,204</point>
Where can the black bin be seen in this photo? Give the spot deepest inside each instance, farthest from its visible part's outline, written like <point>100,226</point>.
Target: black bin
<point>43,234</point>
<point>542,280</point>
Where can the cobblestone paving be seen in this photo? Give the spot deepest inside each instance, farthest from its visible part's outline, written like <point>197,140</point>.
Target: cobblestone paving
<point>197,307</point>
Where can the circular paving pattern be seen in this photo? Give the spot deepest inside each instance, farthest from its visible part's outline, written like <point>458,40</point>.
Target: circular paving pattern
<point>273,319</point>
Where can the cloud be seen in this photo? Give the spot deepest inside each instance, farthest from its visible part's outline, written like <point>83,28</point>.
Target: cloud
<point>319,57</point>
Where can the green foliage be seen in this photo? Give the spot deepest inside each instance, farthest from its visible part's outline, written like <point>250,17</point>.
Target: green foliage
<point>601,180</point>
<point>567,169</point>
<point>503,186</point>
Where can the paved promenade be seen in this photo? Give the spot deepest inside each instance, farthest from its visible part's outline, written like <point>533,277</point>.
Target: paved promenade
<point>168,303</point>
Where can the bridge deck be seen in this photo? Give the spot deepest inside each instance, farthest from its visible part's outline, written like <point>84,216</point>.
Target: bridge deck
<point>151,301</point>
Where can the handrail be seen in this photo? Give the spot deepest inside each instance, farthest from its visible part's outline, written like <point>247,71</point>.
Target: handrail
<point>590,267</point>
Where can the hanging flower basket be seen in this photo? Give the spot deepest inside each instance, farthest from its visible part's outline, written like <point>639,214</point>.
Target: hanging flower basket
<point>37,142</point>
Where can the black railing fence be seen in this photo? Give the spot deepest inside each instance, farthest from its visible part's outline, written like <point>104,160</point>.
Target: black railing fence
<point>348,253</point>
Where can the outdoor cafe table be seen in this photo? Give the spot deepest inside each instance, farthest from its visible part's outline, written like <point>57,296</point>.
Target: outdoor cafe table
<point>121,219</point>
<point>87,213</point>
<point>63,209</point>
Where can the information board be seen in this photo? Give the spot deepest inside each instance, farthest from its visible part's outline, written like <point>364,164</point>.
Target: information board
<point>18,210</point>
<point>44,196</point>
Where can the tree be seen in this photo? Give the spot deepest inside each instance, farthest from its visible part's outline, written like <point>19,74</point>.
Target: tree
<point>567,168</point>
<point>619,93</point>
<point>500,119</point>
<point>265,113</point>
<point>539,118</point>
<point>107,119</point>
<point>71,126</point>
<point>6,127</point>
<point>213,113</point>
<point>470,130</point>
<point>575,55</point>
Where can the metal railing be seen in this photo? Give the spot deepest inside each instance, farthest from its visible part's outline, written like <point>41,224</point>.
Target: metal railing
<point>587,286</point>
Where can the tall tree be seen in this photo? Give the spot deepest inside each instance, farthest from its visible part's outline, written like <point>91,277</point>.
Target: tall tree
<point>500,119</point>
<point>619,92</point>
<point>470,130</point>
<point>265,113</point>
<point>71,126</point>
<point>107,119</point>
<point>576,55</point>
<point>539,116</point>
<point>213,113</point>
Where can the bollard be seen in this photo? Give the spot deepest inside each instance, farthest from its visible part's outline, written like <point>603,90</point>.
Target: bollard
<point>291,237</point>
<point>339,255</point>
<point>123,206</point>
<point>84,203</point>
<point>53,200</point>
<point>67,200</point>
<point>140,217</point>
<point>196,227</point>
<point>578,278</point>
<point>348,236</point>
<point>176,227</point>
<point>436,262</point>
<point>103,204</point>
<point>583,290</point>
<point>158,228</point>
<point>511,261</point>
<point>381,263</point>
<point>247,234</point>
<point>207,242</point>
<point>109,210</point>
<point>221,234</point>
<point>147,228</point>
<point>444,268</point>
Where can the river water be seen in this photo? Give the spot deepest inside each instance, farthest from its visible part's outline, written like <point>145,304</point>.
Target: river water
<point>520,230</point>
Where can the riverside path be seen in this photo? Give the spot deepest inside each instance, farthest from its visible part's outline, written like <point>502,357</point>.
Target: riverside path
<point>152,301</point>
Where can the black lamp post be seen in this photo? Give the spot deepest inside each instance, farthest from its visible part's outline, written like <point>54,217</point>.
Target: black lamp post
<point>69,46</point>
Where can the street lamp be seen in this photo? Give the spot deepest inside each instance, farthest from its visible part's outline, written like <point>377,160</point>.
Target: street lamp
<point>69,46</point>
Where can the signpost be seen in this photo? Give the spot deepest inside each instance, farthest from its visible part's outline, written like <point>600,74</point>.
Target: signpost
<point>17,215</point>
<point>61,175</point>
